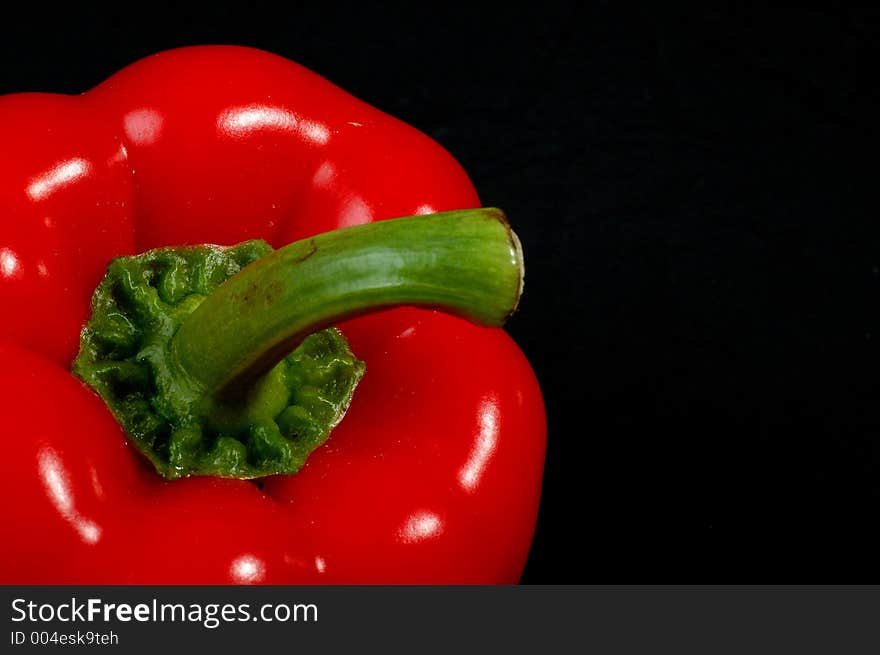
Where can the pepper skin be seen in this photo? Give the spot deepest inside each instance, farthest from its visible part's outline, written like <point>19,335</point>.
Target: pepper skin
<point>434,474</point>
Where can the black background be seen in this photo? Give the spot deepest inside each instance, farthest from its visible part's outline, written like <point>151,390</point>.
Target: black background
<point>696,194</point>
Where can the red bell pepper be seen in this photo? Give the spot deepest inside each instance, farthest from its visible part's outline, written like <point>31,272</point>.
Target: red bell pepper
<point>434,474</point>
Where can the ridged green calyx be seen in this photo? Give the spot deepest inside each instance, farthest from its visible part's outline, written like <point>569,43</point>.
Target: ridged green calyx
<point>221,360</point>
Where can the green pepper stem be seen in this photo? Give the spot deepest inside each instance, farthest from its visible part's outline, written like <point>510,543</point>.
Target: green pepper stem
<point>467,263</point>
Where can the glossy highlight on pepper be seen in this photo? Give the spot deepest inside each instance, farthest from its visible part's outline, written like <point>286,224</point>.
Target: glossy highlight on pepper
<point>433,475</point>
